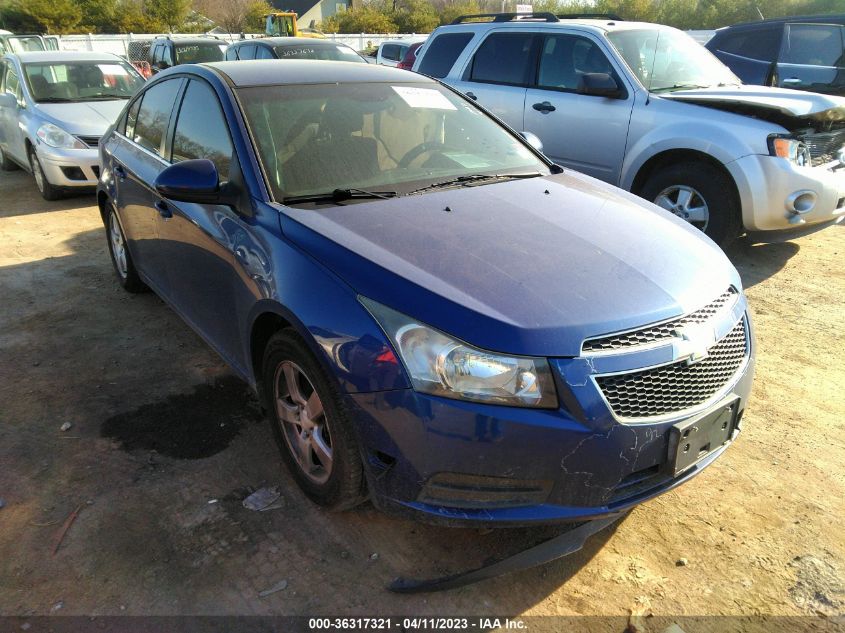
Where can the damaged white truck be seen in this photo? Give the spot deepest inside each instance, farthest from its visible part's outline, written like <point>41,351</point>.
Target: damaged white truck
<point>648,109</point>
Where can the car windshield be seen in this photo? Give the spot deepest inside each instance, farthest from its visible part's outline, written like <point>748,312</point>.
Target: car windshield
<point>199,53</point>
<point>665,60</point>
<point>22,44</point>
<point>81,81</point>
<point>332,53</point>
<point>398,137</point>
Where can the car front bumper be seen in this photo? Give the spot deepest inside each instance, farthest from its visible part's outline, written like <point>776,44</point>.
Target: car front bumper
<point>565,466</point>
<point>769,188</point>
<point>70,168</point>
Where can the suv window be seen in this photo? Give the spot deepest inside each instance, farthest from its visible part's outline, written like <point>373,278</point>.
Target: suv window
<point>504,58</point>
<point>154,114</point>
<point>762,43</point>
<point>262,52</point>
<point>813,44</point>
<point>247,51</point>
<point>391,52</point>
<point>565,58</point>
<point>201,129</point>
<point>442,53</point>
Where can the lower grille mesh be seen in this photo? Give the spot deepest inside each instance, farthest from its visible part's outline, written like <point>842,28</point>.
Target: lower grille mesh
<point>679,386</point>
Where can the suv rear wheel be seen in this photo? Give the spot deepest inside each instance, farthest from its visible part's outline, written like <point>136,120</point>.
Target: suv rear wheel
<point>699,193</point>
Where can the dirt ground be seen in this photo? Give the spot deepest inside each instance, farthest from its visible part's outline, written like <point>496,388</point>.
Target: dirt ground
<point>165,443</point>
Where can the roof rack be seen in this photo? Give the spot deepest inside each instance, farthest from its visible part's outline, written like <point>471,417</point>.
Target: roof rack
<point>506,17</point>
<point>590,16</point>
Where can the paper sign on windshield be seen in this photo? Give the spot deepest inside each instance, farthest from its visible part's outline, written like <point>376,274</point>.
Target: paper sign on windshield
<point>424,98</point>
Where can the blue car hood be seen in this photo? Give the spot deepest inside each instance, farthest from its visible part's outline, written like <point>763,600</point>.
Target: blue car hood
<point>526,267</point>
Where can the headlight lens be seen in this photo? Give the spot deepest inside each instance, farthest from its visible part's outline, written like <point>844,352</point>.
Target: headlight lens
<point>54,136</point>
<point>791,149</point>
<point>443,366</point>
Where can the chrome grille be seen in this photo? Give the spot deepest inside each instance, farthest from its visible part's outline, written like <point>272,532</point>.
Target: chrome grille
<point>90,141</point>
<point>824,146</point>
<point>661,331</point>
<point>677,387</point>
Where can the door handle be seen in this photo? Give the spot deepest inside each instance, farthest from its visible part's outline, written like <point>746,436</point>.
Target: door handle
<point>792,80</point>
<point>544,107</point>
<point>472,96</point>
<point>121,172</point>
<point>163,209</point>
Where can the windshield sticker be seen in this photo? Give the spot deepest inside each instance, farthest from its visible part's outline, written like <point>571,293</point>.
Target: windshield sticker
<point>112,69</point>
<point>295,52</point>
<point>467,161</point>
<point>424,98</point>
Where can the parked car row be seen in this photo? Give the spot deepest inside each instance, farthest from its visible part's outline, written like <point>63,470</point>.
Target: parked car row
<point>644,107</point>
<point>436,314</point>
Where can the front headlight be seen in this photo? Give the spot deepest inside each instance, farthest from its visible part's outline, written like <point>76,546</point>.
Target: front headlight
<point>791,149</point>
<point>443,366</point>
<point>54,136</point>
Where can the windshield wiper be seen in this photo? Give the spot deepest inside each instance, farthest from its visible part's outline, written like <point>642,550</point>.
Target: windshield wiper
<point>341,195</point>
<point>54,100</point>
<point>472,180</point>
<point>102,96</point>
<point>679,87</point>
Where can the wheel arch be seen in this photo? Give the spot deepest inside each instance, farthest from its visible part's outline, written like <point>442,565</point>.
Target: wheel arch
<point>675,156</point>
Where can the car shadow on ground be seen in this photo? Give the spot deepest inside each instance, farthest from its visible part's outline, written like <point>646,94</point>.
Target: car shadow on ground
<point>19,183</point>
<point>757,262</point>
<point>164,446</point>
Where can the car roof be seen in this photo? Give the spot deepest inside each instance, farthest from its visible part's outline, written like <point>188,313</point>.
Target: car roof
<point>190,40</point>
<point>834,18</point>
<point>272,72</point>
<point>407,40</point>
<point>63,56</point>
<point>289,41</point>
<point>604,25</point>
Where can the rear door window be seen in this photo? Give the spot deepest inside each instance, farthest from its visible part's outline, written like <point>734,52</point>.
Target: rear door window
<point>391,52</point>
<point>231,54</point>
<point>154,115</point>
<point>247,51</point>
<point>813,45</point>
<point>262,52</point>
<point>762,44</point>
<point>201,129</point>
<point>504,58</point>
<point>442,52</point>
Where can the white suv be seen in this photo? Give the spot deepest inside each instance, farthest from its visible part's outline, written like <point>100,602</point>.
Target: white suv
<point>646,108</point>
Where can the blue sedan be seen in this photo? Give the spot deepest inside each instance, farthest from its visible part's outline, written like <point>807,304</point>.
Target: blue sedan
<point>436,317</point>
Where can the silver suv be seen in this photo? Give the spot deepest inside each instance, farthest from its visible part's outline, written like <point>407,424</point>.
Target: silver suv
<point>646,108</point>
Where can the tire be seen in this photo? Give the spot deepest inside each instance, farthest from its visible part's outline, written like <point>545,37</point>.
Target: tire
<point>698,182</point>
<point>121,259</point>
<point>48,191</point>
<point>334,478</point>
<point>6,163</point>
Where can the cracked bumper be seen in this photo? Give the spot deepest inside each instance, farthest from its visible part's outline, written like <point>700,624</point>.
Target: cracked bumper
<point>584,461</point>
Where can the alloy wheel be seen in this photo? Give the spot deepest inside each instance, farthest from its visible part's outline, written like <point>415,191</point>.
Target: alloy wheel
<point>303,421</point>
<point>37,173</point>
<point>118,246</point>
<point>685,202</point>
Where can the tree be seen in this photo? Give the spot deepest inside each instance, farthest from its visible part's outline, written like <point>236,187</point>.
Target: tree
<point>170,14</point>
<point>370,18</point>
<point>235,16</point>
<point>416,16</point>
<point>43,16</point>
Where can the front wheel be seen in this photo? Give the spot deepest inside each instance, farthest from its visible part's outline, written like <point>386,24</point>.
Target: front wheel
<point>311,424</point>
<point>47,190</point>
<point>699,193</point>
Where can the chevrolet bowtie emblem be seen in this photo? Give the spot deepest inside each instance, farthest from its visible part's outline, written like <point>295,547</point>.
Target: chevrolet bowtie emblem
<point>692,342</point>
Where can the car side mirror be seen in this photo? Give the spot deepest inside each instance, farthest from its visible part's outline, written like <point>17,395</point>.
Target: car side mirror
<point>8,100</point>
<point>192,181</point>
<point>599,85</point>
<point>533,140</point>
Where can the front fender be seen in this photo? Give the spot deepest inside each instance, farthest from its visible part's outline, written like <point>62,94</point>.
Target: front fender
<point>326,313</point>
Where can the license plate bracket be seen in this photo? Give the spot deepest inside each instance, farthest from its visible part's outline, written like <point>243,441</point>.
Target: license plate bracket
<point>691,441</point>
